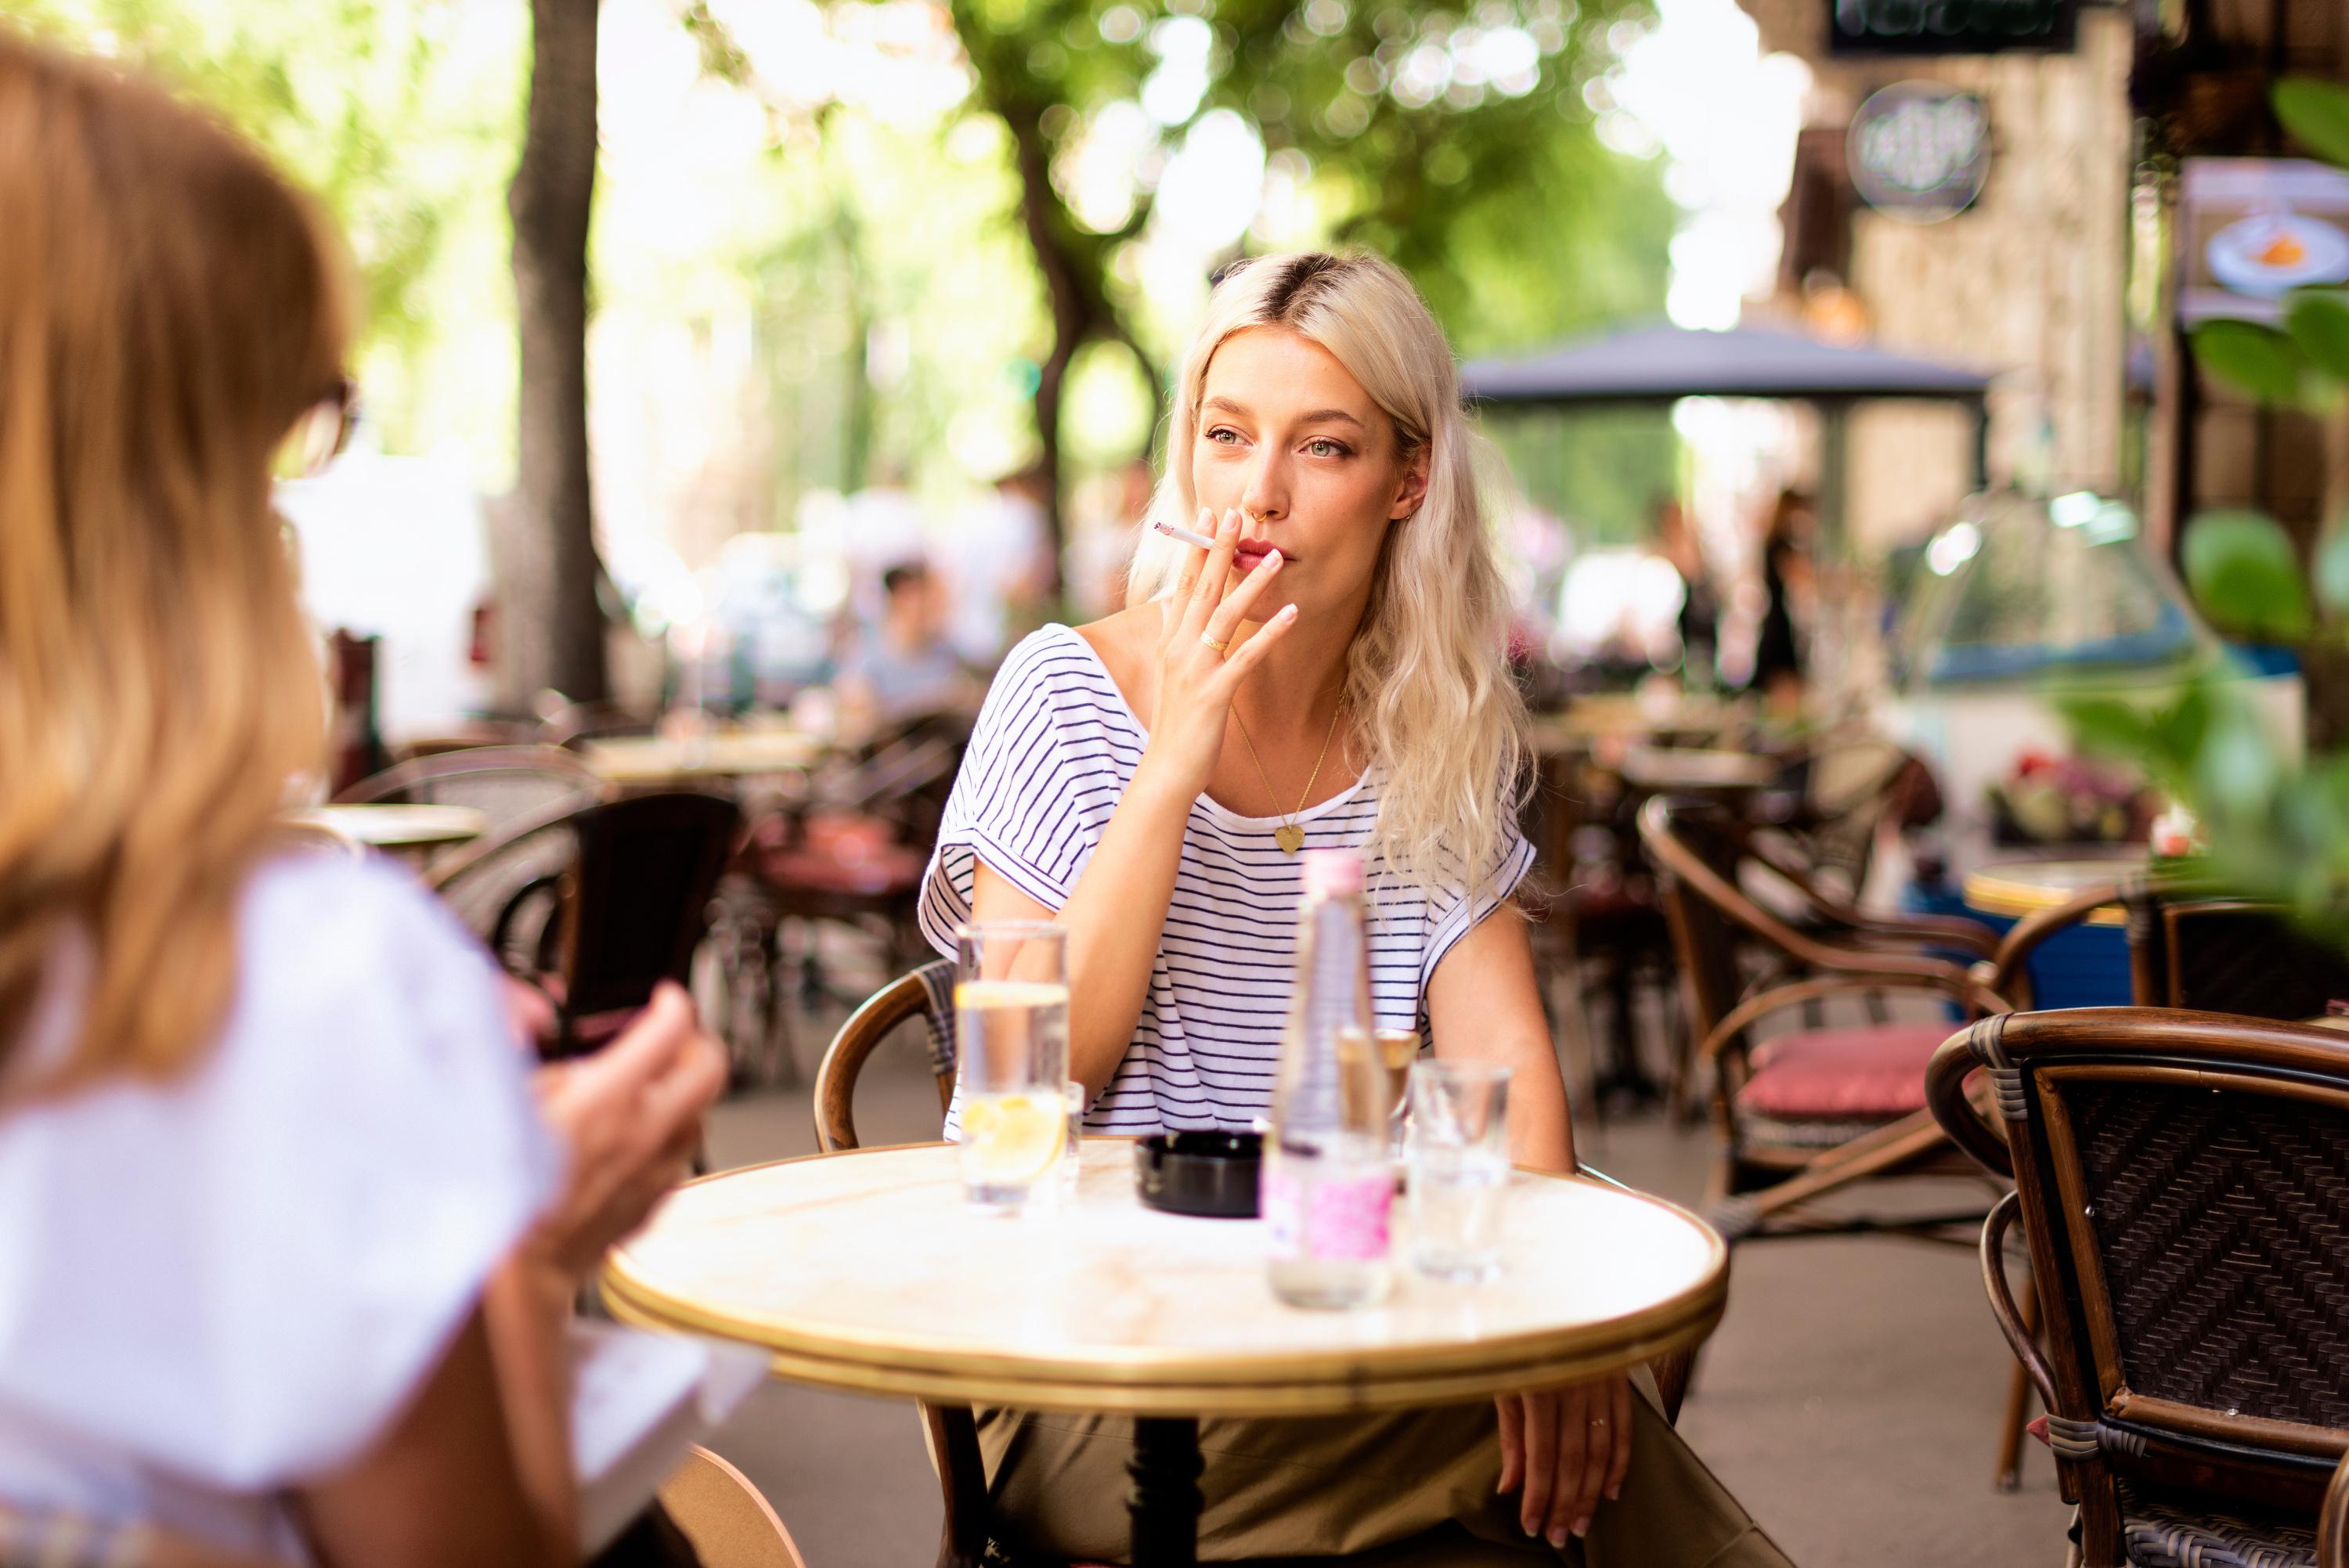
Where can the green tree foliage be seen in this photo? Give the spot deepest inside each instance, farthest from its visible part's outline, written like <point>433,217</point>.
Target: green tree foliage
<point>1460,144</point>
<point>400,115</point>
<point>2278,830</point>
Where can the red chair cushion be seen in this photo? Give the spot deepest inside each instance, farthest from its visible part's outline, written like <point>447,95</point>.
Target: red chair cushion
<point>1875,1072</point>
<point>873,871</point>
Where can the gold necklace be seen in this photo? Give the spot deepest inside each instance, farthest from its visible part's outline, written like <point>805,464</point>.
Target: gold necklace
<point>1288,835</point>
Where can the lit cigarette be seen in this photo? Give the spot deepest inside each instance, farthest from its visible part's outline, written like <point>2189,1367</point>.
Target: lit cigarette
<point>1175,530</point>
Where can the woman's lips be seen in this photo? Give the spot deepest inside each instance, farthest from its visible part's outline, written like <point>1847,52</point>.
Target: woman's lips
<point>1248,557</point>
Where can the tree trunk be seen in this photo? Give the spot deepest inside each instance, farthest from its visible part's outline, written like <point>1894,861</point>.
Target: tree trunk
<point>550,630</point>
<point>1072,320</point>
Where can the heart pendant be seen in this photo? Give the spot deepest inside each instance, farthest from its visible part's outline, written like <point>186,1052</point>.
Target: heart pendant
<point>1289,837</point>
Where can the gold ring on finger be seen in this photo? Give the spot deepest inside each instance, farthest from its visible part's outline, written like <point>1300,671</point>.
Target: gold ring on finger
<point>1211,641</point>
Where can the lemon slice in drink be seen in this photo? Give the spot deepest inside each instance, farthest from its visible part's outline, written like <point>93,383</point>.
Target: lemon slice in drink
<point>1012,1137</point>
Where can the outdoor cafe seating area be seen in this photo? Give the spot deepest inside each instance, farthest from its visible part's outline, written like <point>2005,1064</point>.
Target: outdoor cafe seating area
<point>1835,1091</point>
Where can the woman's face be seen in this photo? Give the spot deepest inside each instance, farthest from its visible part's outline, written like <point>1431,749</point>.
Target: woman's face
<point>1287,435</point>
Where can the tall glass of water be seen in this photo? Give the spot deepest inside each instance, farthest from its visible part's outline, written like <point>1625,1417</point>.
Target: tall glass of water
<point>1458,1155</point>
<point>1011,1044</point>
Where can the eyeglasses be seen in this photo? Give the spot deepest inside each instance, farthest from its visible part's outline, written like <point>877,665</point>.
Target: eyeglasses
<point>320,434</point>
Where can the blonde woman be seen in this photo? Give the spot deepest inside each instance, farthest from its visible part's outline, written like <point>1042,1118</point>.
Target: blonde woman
<point>287,1238</point>
<point>1329,675</point>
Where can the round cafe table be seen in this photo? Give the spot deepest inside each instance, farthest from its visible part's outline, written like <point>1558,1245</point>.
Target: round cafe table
<point>866,1270</point>
<point>650,761</point>
<point>395,828</point>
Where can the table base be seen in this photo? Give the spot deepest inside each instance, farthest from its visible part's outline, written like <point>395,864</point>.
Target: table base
<point>1163,1502</point>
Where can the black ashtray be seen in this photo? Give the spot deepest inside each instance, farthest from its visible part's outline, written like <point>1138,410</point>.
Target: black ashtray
<point>1212,1174</point>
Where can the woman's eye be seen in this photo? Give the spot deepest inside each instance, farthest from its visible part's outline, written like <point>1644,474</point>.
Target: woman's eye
<point>1322,447</point>
<point>1224,435</point>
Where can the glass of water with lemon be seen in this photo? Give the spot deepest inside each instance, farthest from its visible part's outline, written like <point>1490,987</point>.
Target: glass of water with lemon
<point>1011,1042</point>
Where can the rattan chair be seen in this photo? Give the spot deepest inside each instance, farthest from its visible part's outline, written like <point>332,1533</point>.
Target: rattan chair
<point>1814,1110</point>
<point>2228,956</point>
<point>2183,1183</point>
<point>729,1523</point>
<point>2333,1521</point>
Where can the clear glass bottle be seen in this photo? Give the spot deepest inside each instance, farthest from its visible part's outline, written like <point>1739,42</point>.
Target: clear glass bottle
<point>1328,1186</point>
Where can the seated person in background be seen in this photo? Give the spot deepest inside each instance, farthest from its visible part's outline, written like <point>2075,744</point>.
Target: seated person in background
<point>904,666</point>
<point>1329,675</point>
<point>288,1235</point>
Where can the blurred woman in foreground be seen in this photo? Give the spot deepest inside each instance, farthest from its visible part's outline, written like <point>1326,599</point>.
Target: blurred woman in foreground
<point>285,1245</point>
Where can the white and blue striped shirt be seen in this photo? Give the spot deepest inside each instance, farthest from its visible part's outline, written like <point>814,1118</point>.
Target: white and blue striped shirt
<point>1055,747</point>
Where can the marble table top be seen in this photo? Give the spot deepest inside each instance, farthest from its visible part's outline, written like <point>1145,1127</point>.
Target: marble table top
<point>655,759</point>
<point>866,1270</point>
<point>397,827</point>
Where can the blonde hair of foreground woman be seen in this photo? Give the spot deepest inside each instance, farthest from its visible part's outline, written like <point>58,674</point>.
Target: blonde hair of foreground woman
<point>1426,676</point>
<point>168,309</point>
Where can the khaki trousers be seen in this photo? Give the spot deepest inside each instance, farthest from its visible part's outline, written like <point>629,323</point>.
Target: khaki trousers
<point>1411,1490</point>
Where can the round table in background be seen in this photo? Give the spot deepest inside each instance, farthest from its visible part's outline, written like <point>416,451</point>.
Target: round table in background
<point>650,761</point>
<point>2086,965</point>
<point>866,1270</point>
<point>395,828</point>
<point>2012,889</point>
<point>1676,770</point>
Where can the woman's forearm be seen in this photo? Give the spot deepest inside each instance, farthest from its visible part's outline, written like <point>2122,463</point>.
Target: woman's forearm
<point>526,1310</point>
<point>1484,1004</point>
<point>1114,917</point>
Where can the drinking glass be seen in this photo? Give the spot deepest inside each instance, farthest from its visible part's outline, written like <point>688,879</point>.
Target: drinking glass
<point>1011,1039</point>
<point>1459,1167</point>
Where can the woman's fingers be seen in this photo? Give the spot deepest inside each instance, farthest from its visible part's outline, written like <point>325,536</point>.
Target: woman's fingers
<point>1597,1455</point>
<point>1251,654</point>
<point>1541,1460</point>
<point>1620,1414</point>
<point>1512,1412</point>
<point>1567,1506</point>
<point>1194,559</point>
<point>1208,592</point>
<point>1228,616</point>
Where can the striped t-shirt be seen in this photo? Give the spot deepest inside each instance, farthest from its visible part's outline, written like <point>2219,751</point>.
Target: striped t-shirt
<point>1055,747</point>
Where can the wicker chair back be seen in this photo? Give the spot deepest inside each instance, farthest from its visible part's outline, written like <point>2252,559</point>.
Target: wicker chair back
<point>2225,956</point>
<point>2183,1180</point>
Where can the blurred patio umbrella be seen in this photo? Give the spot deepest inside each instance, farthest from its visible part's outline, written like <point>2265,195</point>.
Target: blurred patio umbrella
<point>1659,363</point>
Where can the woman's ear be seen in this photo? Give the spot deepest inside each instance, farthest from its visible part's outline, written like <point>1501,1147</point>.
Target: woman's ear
<point>1411,494</point>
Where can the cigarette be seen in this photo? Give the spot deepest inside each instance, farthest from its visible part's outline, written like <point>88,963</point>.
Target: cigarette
<point>1175,530</point>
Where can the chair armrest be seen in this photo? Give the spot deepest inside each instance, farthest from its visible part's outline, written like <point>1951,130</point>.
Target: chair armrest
<point>513,833</point>
<point>2002,1300</point>
<point>1959,1109</point>
<point>2333,1521</point>
<point>1916,930</point>
<point>1949,979</point>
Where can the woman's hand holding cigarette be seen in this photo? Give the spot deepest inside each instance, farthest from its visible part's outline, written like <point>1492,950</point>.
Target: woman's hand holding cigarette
<point>1200,664</point>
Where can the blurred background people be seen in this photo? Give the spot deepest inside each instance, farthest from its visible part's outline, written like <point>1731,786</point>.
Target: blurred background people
<point>995,560</point>
<point>904,665</point>
<point>1700,612</point>
<point>1786,570</point>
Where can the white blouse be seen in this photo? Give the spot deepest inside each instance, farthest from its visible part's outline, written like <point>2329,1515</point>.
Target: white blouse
<point>215,1287</point>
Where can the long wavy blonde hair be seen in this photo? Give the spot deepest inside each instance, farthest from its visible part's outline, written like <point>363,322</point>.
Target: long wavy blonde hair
<point>168,309</point>
<point>1427,679</point>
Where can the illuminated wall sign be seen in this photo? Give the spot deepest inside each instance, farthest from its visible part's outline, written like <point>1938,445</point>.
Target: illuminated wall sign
<point>1949,27</point>
<point>1920,151</point>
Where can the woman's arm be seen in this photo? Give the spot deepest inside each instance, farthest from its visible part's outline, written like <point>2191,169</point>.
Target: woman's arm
<point>1117,911</point>
<point>1561,1449</point>
<point>1484,1005</point>
<point>441,1485</point>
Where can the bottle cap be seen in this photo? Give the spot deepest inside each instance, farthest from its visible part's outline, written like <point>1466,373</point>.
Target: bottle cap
<point>1332,872</point>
